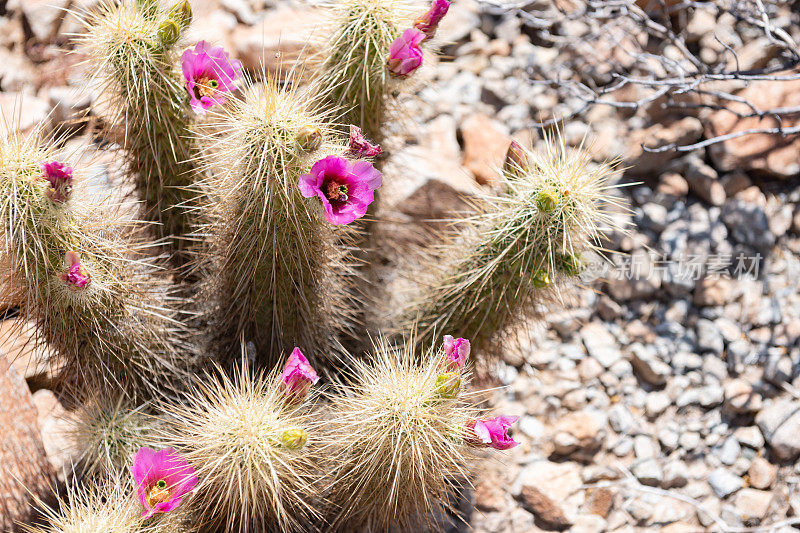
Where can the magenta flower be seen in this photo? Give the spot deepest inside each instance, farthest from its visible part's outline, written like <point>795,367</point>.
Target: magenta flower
<point>75,275</point>
<point>428,22</point>
<point>344,187</point>
<point>405,55</point>
<point>162,478</point>
<point>360,146</point>
<point>209,74</point>
<point>60,178</point>
<point>456,352</point>
<point>493,432</point>
<point>298,376</point>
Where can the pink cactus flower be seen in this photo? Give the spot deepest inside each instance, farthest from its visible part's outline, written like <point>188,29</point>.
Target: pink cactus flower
<point>360,146</point>
<point>162,478</point>
<point>456,352</point>
<point>209,73</point>
<point>405,55</point>
<point>60,178</point>
<point>492,432</point>
<point>428,22</point>
<point>298,376</point>
<point>346,188</point>
<point>75,275</point>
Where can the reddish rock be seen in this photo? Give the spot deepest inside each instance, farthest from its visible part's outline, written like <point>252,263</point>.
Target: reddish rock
<point>485,147</point>
<point>25,467</point>
<point>543,508</point>
<point>772,154</point>
<point>599,501</point>
<point>643,163</point>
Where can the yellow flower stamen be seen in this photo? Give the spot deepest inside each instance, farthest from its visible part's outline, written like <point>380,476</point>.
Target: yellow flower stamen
<point>158,493</point>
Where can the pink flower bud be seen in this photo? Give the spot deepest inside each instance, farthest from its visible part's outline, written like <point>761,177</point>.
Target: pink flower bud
<point>60,179</point>
<point>75,275</point>
<point>491,432</point>
<point>298,376</point>
<point>516,159</point>
<point>405,55</point>
<point>360,146</point>
<point>428,22</point>
<point>456,352</point>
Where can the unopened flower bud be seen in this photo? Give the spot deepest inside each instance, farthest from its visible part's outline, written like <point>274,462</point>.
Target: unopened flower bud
<point>168,32</point>
<point>405,55</point>
<point>294,439</point>
<point>541,279</point>
<point>182,12</point>
<point>428,22</point>
<point>297,377</point>
<point>448,385</point>
<point>516,159</point>
<point>546,201</point>
<point>456,352</point>
<point>309,138</point>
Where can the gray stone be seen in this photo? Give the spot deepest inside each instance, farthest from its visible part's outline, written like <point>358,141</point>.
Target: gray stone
<point>748,224</point>
<point>724,483</point>
<point>689,440</point>
<point>600,344</point>
<point>676,474</point>
<point>648,472</point>
<point>750,436</point>
<point>647,365</point>
<point>620,418</point>
<point>656,403</point>
<point>644,447</point>
<point>709,338</point>
<point>780,424</point>
<point>669,438</point>
<point>729,451</point>
<point>531,427</point>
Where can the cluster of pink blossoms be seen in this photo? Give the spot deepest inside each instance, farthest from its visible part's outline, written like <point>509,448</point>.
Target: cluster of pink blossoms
<point>59,176</point>
<point>75,276</point>
<point>405,54</point>
<point>489,432</point>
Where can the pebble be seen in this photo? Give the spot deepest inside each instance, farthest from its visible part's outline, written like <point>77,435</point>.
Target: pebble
<point>761,473</point>
<point>724,483</point>
<point>780,423</point>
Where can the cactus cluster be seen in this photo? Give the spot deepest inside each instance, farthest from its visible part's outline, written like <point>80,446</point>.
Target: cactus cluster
<point>255,186</point>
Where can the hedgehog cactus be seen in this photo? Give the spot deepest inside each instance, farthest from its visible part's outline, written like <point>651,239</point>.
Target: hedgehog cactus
<point>254,447</point>
<point>132,49</point>
<point>374,47</point>
<point>103,312</point>
<point>401,439</point>
<point>277,274</point>
<point>522,245</point>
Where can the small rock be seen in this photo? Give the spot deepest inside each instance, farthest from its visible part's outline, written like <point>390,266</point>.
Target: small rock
<point>676,474</point>
<point>600,344</point>
<point>689,440</point>
<point>761,473</point>
<point>44,16</point>
<point>704,182</point>
<point>748,224</point>
<point>767,153</point>
<point>531,427</point>
<point>656,403</point>
<point>578,432</point>
<point>741,398</point>
<point>644,447</point>
<point>621,419</point>
<point>673,184</point>
<point>599,501</point>
<point>648,472</point>
<point>723,482</point>
<point>489,495</point>
<point>780,423</point>
<point>648,366</point>
<point>729,451</point>
<point>27,112</point>
<point>750,436</point>
<point>753,503</point>
<point>686,130</point>
<point>709,338</point>
<point>543,508</point>
<point>485,147</point>
<point>710,292</point>
<point>589,369</point>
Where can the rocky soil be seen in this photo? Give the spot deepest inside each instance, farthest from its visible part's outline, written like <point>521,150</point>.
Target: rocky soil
<point>655,401</point>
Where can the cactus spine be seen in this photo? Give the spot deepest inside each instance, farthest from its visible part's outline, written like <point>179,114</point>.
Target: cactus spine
<point>132,51</point>
<point>513,255</point>
<point>277,276</point>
